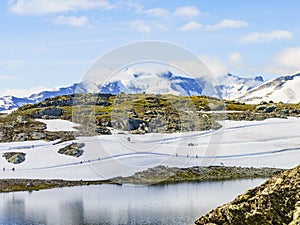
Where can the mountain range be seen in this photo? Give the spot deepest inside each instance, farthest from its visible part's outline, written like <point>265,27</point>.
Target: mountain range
<point>8,103</point>
<point>232,87</point>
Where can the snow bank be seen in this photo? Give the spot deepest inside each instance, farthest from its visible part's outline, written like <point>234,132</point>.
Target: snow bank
<point>59,125</point>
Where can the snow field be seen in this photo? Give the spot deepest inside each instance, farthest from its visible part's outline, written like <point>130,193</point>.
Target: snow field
<point>269,143</point>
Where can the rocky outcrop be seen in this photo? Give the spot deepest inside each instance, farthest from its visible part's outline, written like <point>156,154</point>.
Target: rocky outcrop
<point>275,202</point>
<point>49,113</point>
<point>20,137</point>
<point>14,157</point>
<point>74,149</point>
<point>165,175</point>
<point>38,135</point>
<point>135,113</point>
<point>12,185</point>
<point>103,130</point>
<point>30,130</point>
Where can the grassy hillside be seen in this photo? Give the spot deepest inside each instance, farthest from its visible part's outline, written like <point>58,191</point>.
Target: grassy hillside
<point>137,113</point>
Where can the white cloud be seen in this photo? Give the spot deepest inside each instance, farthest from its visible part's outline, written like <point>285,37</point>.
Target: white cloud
<point>160,26</point>
<point>228,23</point>
<point>283,63</point>
<point>266,36</point>
<point>42,7</point>
<point>8,77</point>
<point>76,21</point>
<point>277,70</point>
<point>12,64</point>
<point>235,57</point>
<point>289,58</point>
<point>22,92</point>
<point>140,26</point>
<point>215,65</point>
<point>187,11</point>
<point>192,25</point>
<point>155,12</point>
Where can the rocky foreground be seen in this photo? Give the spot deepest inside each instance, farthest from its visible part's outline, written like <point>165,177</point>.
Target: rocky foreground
<point>275,202</point>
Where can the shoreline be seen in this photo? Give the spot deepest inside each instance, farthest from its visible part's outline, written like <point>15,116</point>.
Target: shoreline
<point>17,185</point>
<point>160,175</point>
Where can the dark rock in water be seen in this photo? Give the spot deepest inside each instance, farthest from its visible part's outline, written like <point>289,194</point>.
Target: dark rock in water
<point>275,202</point>
<point>14,157</point>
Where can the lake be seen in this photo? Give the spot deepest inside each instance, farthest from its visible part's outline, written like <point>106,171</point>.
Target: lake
<point>111,204</point>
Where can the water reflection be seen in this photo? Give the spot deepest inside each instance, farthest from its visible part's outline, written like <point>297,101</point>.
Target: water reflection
<point>111,204</point>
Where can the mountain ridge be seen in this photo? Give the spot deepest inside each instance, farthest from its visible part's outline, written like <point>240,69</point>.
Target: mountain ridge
<point>280,89</point>
<point>229,86</point>
<point>9,102</point>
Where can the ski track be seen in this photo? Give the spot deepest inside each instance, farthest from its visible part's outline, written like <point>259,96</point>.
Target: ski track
<point>280,147</point>
<point>162,154</point>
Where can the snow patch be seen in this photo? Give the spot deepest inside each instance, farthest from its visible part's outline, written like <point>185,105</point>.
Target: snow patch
<point>59,125</point>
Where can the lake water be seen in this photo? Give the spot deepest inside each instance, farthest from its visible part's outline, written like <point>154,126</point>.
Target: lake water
<point>111,204</point>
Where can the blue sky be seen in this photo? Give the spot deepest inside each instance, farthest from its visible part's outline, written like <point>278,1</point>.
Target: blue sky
<point>51,43</point>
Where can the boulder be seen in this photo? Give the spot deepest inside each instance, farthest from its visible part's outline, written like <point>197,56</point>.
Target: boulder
<point>74,149</point>
<point>134,124</point>
<point>38,136</point>
<point>261,108</point>
<point>103,130</point>
<point>14,157</point>
<point>49,113</point>
<point>20,137</point>
<point>270,109</point>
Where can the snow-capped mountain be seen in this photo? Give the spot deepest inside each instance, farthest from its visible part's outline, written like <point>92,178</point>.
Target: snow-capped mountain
<point>9,103</point>
<point>282,89</point>
<point>135,82</point>
<point>231,86</point>
<point>226,87</point>
<point>157,83</point>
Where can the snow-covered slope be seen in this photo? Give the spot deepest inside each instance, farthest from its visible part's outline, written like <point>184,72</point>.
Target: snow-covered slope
<point>267,143</point>
<point>282,89</point>
<point>231,86</point>
<point>8,103</point>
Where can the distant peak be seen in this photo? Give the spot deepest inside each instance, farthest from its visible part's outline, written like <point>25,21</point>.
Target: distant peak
<point>259,78</point>
<point>232,75</point>
<point>167,74</point>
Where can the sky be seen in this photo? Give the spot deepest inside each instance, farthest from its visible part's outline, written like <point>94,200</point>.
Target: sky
<point>52,43</point>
